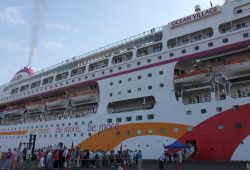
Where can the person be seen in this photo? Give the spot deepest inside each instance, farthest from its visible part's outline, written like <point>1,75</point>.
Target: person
<point>41,158</point>
<point>139,160</point>
<point>14,159</point>
<point>28,157</point>
<point>19,158</point>
<point>7,160</point>
<point>161,161</point>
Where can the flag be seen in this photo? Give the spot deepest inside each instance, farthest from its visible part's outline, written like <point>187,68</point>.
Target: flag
<point>211,4</point>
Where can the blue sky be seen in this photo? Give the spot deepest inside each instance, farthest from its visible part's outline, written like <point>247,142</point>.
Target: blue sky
<point>68,28</point>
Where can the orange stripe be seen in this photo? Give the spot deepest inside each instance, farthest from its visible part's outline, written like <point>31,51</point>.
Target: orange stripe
<point>109,139</point>
<point>20,132</point>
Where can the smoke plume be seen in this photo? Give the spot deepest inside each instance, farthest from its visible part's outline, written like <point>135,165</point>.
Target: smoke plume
<point>37,24</point>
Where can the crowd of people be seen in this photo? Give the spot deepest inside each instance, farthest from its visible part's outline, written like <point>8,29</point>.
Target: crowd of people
<point>50,157</point>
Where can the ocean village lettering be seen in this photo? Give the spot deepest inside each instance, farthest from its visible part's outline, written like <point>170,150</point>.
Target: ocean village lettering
<point>194,17</point>
<point>102,127</point>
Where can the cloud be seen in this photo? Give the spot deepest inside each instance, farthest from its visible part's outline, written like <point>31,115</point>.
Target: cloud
<point>12,15</point>
<point>61,27</point>
<point>53,44</point>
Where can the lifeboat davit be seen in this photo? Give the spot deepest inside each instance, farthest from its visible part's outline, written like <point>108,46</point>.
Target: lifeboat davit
<point>35,107</point>
<point>13,112</point>
<point>57,103</point>
<point>193,77</point>
<point>235,68</point>
<point>83,97</point>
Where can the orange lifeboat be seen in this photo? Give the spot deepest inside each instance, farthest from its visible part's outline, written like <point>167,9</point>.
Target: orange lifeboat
<point>235,68</point>
<point>14,111</point>
<point>193,77</point>
<point>84,97</point>
<point>56,102</point>
<point>35,106</point>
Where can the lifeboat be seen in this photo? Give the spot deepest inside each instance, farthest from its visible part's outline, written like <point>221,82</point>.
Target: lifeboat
<point>57,103</point>
<point>83,97</point>
<point>14,112</point>
<point>193,77</point>
<point>34,107</point>
<point>235,68</point>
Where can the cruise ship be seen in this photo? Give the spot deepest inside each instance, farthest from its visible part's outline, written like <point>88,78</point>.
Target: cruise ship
<point>187,81</point>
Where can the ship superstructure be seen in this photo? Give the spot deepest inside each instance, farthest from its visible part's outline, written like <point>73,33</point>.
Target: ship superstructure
<point>186,81</point>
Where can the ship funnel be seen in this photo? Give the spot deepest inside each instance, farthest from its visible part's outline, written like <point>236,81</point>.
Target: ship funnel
<point>197,8</point>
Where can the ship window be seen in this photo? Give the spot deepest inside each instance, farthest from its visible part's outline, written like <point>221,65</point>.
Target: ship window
<point>210,44</point>
<point>150,117</point>
<point>196,48</point>
<point>122,58</point>
<point>203,111</point>
<point>138,89</point>
<point>61,76</point>
<point>120,81</point>
<point>190,38</point>
<point>238,125</point>
<point>236,107</point>
<point>86,77</point>
<point>188,112</point>
<point>68,135</point>
<point>183,51</point>
<point>129,79</point>
<point>150,131</point>
<point>171,54</point>
<point>48,80</point>
<point>81,134</point>
<point>128,119</point>
<point>74,134</point>
<point>119,68</point>
<point>218,109</point>
<point>93,75</point>
<point>138,118</point>
<point>175,130</point>
<point>138,63</point>
<point>128,65</point>
<point>119,92</point>
<point>138,132</point>
<point>162,130</point>
<point>119,119</point>
<point>245,35</point>
<point>149,49</point>
<point>161,72</point>
<point>138,77</point>
<point>111,70</point>
<point>239,11</point>
<point>98,65</point>
<point>109,120</point>
<point>77,71</point>
<point>35,84</point>
<point>103,72</point>
<point>234,25</point>
<point>111,83</point>
<point>127,132</point>
<point>150,87</point>
<point>225,40</point>
<point>149,60</point>
<point>82,122</point>
<point>89,134</point>
<point>24,88</point>
<point>189,128</point>
<point>159,57</point>
<point>110,94</point>
<point>62,124</point>
<point>150,75</point>
<point>76,123</point>
<point>220,127</point>
<point>161,84</point>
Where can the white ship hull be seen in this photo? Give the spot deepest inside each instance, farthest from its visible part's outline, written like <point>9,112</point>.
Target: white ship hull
<point>145,67</point>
